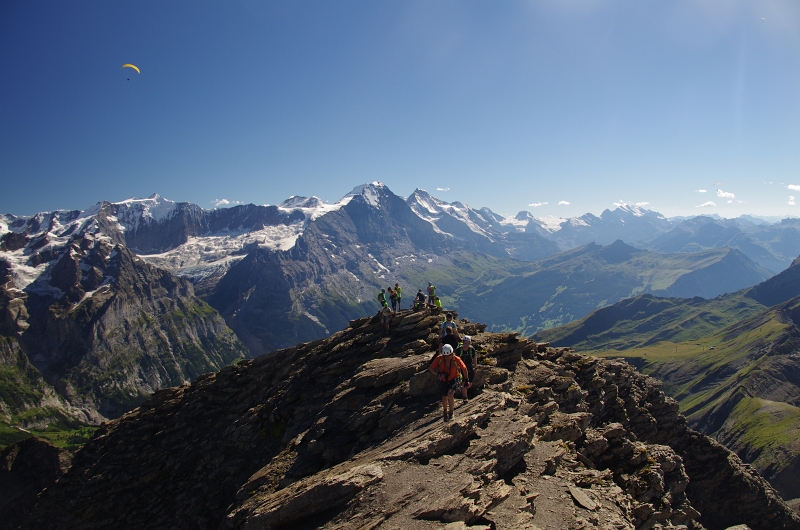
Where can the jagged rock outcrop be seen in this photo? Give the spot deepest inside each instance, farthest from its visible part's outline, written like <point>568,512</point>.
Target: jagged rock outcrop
<point>346,432</point>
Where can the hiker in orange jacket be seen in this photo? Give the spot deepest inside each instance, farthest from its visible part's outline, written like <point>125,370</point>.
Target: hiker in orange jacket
<point>449,370</point>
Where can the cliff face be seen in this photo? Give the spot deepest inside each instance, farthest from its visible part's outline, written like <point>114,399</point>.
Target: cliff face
<point>346,432</point>
<point>96,325</point>
<point>132,330</point>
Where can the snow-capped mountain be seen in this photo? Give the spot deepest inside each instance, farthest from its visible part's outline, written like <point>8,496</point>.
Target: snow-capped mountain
<point>147,279</point>
<point>352,246</point>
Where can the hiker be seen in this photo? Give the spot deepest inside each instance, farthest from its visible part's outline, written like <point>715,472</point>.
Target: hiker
<point>437,302</point>
<point>382,298</point>
<point>386,318</point>
<point>448,369</point>
<point>399,292</point>
<point>450,337</point>
<point>466,352</point>
<point>419,301</point>
<point>431,293</point>
<point>448,323</point>
<point>393,298</point>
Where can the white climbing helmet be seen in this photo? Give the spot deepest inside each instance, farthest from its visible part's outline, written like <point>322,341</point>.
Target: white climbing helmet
<point>447,350</point>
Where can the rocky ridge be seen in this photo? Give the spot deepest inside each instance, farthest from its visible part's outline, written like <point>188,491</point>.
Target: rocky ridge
<point>346,432</point>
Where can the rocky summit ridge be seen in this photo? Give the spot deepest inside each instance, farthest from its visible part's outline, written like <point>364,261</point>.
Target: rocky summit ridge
<point>346,432</point>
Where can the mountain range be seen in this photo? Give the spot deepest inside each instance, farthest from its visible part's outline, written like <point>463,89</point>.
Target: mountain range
<point>104,306</point>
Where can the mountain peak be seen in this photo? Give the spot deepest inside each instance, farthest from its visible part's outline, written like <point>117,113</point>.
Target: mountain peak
<point>298,201</point>
<point>524,216</point>
<point>371,192</point>
<point>155,208</point>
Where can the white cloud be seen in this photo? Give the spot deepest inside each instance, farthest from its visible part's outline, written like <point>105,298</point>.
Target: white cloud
<point>705,204</point>
<point>791,200</point>
<point>642,204</point>
<point>563,203</point>
<point>718,183</point>
<point>725,194</point>
<point>730,201</point>
<point>537,204</point>
<point>223,202</point>
<point>793,187</point>
<point>442,189</point>
<point>701,191</point>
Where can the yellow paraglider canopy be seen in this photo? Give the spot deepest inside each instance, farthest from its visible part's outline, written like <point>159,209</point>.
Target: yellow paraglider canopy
<point>128,65</point>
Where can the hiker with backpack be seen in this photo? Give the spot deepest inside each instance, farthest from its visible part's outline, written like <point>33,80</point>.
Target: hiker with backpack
<point>450,337</point>
<point>449,370</point>
<point>382,298</point>
<point>466,352</point>
<point>393,298</point>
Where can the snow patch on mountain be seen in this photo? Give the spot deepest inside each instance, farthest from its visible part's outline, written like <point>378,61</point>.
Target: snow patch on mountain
<point>131,212</point>
<point>370,192</point>
<point>296,201</point>
<point>202,256</point>
<point>432,210</point>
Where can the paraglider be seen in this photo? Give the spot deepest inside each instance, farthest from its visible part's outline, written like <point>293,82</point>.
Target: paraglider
<point>128,65</point>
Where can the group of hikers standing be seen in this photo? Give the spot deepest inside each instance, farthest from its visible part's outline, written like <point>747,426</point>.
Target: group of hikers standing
<point>395,295</point>
<point>420,301</point>
<point>455,360</point>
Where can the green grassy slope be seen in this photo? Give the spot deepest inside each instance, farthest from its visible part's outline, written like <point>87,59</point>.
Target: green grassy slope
<point>732,364</point>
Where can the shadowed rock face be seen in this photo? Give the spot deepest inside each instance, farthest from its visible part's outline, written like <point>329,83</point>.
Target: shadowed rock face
<point>26,468</point>
<point>347,432</point>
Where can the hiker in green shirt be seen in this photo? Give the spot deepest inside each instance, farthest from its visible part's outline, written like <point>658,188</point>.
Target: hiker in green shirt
<point>382,298</point>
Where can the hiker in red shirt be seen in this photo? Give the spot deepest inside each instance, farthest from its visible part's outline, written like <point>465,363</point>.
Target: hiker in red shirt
<point>450,370</point>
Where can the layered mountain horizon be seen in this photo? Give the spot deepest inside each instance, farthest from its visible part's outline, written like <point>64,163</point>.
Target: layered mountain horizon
<point>102,307</point>
<point>196,243</point>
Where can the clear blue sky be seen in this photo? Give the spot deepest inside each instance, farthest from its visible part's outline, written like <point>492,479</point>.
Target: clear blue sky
<point>498,104</point>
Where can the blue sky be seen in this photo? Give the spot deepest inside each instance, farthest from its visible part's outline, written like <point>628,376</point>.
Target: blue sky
<point>510,105</point>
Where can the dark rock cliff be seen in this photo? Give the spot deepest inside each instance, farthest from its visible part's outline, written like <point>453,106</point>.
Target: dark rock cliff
<point>346,432</point>
<point>26,468</point>
<point>121,330</point>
